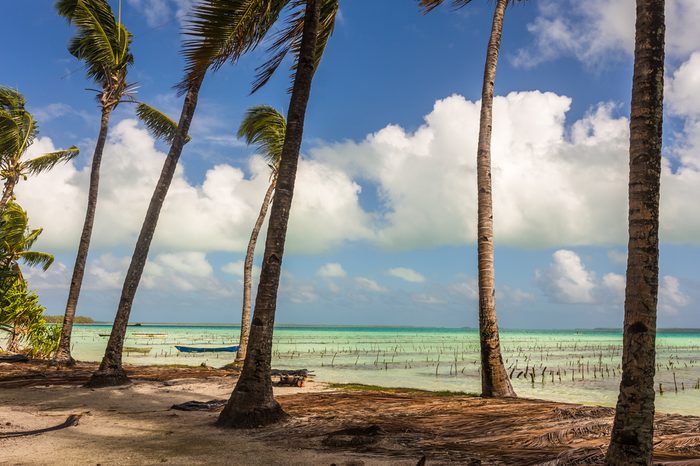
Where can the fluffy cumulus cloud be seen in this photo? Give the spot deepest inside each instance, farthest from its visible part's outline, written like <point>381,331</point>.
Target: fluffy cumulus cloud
<point>406,274</point>
<point>567,281</point>
<point>554,185</point>
<point>598,30</point>
<point>216,215</point>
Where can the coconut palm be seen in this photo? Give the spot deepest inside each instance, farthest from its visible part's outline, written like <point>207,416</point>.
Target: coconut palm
<point>102,43</point>
<point>633,429</point>
<point>310,25</point>
<point>265,127</point>
<point>18,315</point>
<point>218,31</point>
<point>18,129</point>
<point>494,379</point>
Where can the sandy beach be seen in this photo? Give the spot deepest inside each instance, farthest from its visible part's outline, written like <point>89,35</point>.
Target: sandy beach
<point>342,425</point>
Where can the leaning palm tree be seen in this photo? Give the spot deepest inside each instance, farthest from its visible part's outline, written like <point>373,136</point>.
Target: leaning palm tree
<point>18,129</point>
<point>218,31</point>
<point>633,429</point>
<point>310,25</point>
<point>102,43</point>
<point>494,379</point>
<point>265,127</point>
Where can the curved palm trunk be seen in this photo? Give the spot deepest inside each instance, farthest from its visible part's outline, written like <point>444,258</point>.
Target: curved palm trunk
<point>7,192</point>
<point>633,429</point>
<point>248,272</point>
<point>494,379</point>
<point>110,372</point>
<point>63,355</point>
<point>252,403</point>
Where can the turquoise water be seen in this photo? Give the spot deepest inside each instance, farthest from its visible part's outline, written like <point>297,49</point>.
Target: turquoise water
<point>574,366</point>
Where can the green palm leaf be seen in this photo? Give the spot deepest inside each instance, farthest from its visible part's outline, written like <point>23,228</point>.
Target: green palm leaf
<point>102,42</point>
<point>222,30</point>
<point>13,226</point>
<point>289,39</point>
<point>158,123</point>
<point>265,127</point>
<point>37,259</point>
<point>50,160</point>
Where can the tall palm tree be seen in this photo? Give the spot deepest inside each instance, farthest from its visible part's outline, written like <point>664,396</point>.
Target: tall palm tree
<point>265,127</point>
<point>18,129</point>
<point>633,429</point>
<point>102,42</point>
<point>219,31</point>
<point>494,379</point>
<point>252,402</point>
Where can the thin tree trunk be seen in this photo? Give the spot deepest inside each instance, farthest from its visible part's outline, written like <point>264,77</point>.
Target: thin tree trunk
<point>7,192</point>
<point>63,355</point>
<point>494,379</point>
<point>633,428</point>
<point>248,272</point>
<point>252,402</point>
<point>110,372</point>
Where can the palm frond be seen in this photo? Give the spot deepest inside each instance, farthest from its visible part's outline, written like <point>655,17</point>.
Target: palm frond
<point>9,135</point>
<point>37,259</point>
<point>159,124</point>
<point>265,127</point>
<point>101,42</point>
<point>48,161</point>
<point>11,98</point>
<point>13,226</point>
<point>288,40</point>
<point>222,30</point>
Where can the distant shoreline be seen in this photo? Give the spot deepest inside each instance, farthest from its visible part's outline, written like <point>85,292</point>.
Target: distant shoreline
<point>388,327</point>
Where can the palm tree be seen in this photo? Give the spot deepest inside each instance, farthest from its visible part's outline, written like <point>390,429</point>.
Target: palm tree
<point>633,429</point>
<point>252,402</point>
<point>16,241</point>
<point>18,129</point>
<point>219,31</point>
<point>103,44</point>
<point>264,126</point>
<point>494,379</point>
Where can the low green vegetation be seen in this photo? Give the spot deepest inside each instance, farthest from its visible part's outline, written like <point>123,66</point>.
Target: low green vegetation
<point>377,388</point>
<point>78,319</point>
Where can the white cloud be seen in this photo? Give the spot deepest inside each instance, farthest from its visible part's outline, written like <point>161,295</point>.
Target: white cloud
<point>160,12</point>
<point>424,298</point>
<point>369,284</point>
<point>671,297</point>
<point>216,215</point>
<point>681,92</point>
<point>406,274</point>
<point>567,280</point>
<point>599,30</point>
<point>331,270</point>
<point>468,288</point>
<point>614,287</point>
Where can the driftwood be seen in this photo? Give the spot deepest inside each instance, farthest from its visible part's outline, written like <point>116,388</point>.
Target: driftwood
<point>14,358</point>
<point>291,381</point>
<point>211,405</point>
<point>70,421</point>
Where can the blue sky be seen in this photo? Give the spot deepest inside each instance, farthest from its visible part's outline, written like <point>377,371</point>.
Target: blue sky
<point>382,230</point>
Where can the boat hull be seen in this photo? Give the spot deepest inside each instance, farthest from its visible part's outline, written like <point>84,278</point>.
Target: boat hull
<point>199,349</point>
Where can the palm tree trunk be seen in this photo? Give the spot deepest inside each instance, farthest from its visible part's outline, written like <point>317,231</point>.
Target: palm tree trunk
<point>252,403</point>
<point>633,428</point>
<point>7,192</point>
<point>494,379</point>
<point>110,372</point>
<point>248,272</point>
<point>63,355</point>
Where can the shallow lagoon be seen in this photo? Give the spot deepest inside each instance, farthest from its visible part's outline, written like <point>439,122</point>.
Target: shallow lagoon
<point>573,366</point>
